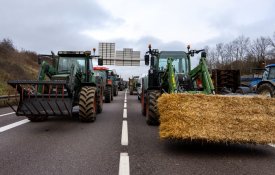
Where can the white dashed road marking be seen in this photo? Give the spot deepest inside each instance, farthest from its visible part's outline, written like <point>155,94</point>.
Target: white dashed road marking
<point>124,135</point>
<point>7,114</point>
<point>124,165</point>
<point>124,113</point>
<point>13,125</point>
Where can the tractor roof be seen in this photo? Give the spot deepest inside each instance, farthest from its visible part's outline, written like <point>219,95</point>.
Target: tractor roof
<point>174,54</point>
<point>271,65</point>
<point>74,53</point>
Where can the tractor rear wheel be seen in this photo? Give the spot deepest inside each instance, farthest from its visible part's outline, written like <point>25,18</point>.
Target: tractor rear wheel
<point>267,90</point>
<point>116,91</point>
<point>112,94</point>
<point>37,118</point>
<point>152,114</point>
<point>87,104</point>
<point>107,94</point>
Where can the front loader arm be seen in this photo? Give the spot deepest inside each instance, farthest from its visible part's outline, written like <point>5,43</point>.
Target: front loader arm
<point>171,76</point>
<point>201,71</point>
<point>45,70</point>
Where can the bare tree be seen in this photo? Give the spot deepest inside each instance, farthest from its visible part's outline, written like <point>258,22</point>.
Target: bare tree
<point>272,45</point>
<point>220,53</point>
<point>259,48</point>
<point>229,53</point>
<point>241,47</point>
<point>6,45</point>
<point>272,41</point>
<point>211,58</point>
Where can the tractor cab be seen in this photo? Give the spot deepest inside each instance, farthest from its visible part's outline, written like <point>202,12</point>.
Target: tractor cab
<point>180,61</point>
<point>75,62</point>
<point>269,73</point>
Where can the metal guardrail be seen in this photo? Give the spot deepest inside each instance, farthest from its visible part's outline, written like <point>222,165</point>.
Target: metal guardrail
<point>4,97</point>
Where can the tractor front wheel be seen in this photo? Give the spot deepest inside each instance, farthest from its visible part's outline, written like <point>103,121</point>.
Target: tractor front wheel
<point>266,90</point>
<point>152,114</point>
<point>107,94</point>
<point>87,104</point>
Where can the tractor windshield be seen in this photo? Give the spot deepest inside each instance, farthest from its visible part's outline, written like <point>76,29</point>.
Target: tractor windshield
<point>271,73</point>
<point>180,61</point>
<point>65,64</point>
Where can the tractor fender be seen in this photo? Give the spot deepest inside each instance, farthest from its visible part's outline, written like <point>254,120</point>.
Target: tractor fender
<point>271,82</point>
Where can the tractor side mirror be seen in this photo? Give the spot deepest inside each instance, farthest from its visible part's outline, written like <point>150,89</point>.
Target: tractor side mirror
<point>146,59</point>
<point>203,54</point>
<point>100,61</point>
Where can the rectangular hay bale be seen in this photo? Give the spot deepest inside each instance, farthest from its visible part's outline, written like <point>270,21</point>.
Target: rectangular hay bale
<point>217,118</point>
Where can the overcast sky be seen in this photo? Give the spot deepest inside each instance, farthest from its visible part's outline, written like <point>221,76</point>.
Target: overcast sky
<point>42,26</point>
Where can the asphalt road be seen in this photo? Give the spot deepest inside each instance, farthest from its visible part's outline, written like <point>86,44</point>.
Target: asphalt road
<point>67,146</point>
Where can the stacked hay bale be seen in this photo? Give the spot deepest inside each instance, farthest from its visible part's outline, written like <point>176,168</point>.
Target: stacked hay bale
<point>217,118</point>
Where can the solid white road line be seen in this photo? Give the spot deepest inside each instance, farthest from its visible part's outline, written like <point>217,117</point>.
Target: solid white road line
<point>124,113</point>
<point>124,165</point>
<point>272,145</point>
<point>124,134</point>
<point>13,125</point>
<point>125,105</point>
<point>7,114</point>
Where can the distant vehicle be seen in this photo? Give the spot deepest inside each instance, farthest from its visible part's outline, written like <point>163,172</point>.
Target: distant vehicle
<point>133,84</point>
<point>263,83</point>
<point>139,87</point>
<point>252,81</point>
<point>121,84</point>
<point>267,85</point>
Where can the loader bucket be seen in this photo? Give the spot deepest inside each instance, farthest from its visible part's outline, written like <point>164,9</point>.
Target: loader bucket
<point>53,100</point>
<point>217,118</point>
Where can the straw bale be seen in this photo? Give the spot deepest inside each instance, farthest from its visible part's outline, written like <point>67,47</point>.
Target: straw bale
<point>217,118</point>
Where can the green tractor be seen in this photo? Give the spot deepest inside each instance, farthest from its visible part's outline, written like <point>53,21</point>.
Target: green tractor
<point>170,72</point>
<point>62,85</point>
<point>113,76</point>
<point>121,85</point>
<point>133,84</point>
<point>108,85</point>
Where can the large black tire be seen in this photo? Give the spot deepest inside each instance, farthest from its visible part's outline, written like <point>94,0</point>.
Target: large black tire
<point>266,89</point>
<point>107,94</point>
<point>143,103</point>
<point>87,104</point>
<point>99,104</point>
<point>115,91</point>
<point>37,118</point>
<point>152,114</point>
<point>112,94</point>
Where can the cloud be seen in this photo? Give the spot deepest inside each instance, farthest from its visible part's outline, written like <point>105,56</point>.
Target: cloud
<point>43,26</point>
<point>52,25</point>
